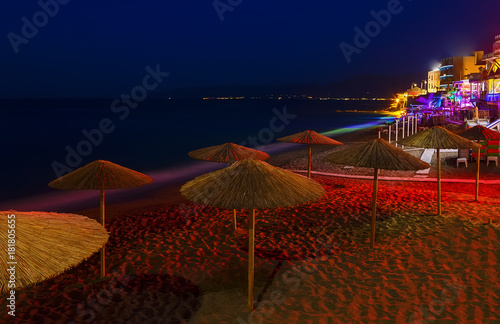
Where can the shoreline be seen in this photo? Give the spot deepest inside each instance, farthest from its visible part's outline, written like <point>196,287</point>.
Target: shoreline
<point>292,158</point>
<point>169,195</point>
<point>165,192</point>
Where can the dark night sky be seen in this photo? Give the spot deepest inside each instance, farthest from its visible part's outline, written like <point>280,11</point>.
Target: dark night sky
<point>100,48</point>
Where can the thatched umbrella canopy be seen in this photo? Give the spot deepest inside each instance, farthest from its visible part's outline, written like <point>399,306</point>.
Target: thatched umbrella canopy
<point>46,244</point>
<point>438,138</point>
<point>309,137</point>
<point>479,133</point>
<point>101,175</point>
<point>454,128</point>
<point>377,154</point>
<point>251,184</point>
<point>228,153</point>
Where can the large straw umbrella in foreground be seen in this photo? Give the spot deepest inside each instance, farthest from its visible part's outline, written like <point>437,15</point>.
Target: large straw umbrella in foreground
<point>309,137</point>
<point>377,154</point>
<point>251,184</point>
<point>479,133</point>
<point>228,153</point>
<point>438,138</point>
<point>43,245</point>
<point>101,175</point>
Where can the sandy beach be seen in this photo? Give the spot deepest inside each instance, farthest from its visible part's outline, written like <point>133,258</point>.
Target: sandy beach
<point>172,261</point>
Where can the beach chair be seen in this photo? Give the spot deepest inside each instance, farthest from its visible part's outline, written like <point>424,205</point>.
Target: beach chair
<point>462,160</point>
<point>492,159</point>
<point>492,152</point>
<point>463,157</point>
<point>464,153</point>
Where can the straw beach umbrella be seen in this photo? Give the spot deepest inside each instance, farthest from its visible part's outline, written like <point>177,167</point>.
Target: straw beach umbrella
<point>228,153</point>
<point>479,133</point>
<point>309,137</point>
<point>101,175</point>
<point>377,154</point>
<point>45,245</point>
<point>251,184</point>
<point>438,138</point>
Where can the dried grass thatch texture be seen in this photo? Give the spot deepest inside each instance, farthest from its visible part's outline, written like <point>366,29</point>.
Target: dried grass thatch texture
<point>47,244</point>
<point>309,137</point>
<point>455,128</point>
<point>379,154</point>
<point>438,138</point>
<point>101,175</point>
<point>480,133</point>
<point>252,184</point>
<point>228,153</point>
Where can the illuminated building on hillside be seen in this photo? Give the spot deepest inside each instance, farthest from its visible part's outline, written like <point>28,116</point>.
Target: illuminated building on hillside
<point>489,83</point>
<point>433,81</point>
<point>457,67</point>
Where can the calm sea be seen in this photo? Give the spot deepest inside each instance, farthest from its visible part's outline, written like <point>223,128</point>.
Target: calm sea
<point>37,136</point>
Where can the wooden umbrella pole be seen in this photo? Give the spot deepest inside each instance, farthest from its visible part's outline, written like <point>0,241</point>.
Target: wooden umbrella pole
<point>103,250</point>
<point>309,166</point>
<point>439,181</point>
<point>477,172</point>
<point>374,208</point>
<point>234,210</point>
<point>251,242</point>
